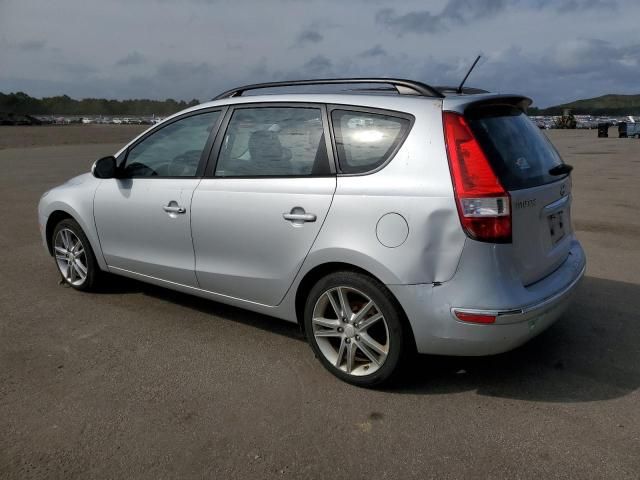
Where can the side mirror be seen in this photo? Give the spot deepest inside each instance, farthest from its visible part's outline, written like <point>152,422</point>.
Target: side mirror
<point>104,167</point>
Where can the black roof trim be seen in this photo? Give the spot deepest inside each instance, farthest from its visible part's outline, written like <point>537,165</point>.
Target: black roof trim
<point>403,87</point>
<point>444,89</point>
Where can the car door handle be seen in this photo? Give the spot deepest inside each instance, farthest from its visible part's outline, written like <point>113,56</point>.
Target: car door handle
<point>174,209</point>
<point>298,218</point>
<point>301,217</point>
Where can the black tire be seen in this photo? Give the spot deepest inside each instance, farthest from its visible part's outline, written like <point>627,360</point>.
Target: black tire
<point>93,275</point>
<point>385,303</point>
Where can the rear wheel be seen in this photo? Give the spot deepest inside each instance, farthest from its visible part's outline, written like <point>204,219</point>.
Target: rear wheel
<point>354,327</point>
<point>74,257</point>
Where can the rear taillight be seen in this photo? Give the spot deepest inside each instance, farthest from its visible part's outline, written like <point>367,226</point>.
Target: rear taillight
<point>484,206</point>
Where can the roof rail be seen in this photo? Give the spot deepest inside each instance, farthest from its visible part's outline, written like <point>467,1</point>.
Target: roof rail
<point>403,87</point>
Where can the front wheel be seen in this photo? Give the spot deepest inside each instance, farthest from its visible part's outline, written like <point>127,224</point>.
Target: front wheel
<point>74,257</point>
<point>354,327</point>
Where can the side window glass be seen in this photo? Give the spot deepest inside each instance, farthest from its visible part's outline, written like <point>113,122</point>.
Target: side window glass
<point>274,142</point>
<point>365,140</point>
<point>172,151</point>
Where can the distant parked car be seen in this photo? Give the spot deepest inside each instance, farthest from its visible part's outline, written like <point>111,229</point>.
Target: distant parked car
<point>381,224</point>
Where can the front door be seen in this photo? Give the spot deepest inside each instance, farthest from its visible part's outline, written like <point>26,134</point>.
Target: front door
<point>255,218</point>
<point>143,216</point>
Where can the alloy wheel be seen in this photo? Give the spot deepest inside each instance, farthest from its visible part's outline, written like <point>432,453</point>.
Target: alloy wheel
<point>71,257</point>
<point>350,331</point>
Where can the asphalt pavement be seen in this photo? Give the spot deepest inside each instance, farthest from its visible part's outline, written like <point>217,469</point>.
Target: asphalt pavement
<point>141,382</point>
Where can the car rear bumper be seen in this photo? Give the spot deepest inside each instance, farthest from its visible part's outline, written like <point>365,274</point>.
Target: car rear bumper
<point>431,310</point>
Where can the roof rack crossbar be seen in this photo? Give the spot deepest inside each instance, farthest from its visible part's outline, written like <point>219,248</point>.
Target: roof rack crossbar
<point>403,87</point>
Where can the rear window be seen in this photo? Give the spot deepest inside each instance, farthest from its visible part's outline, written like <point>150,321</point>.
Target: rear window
<point>366,140</point>
<point>520,154</point>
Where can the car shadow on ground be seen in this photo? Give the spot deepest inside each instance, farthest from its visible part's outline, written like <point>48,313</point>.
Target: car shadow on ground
<point>591,354</point>
<point>117,285</point>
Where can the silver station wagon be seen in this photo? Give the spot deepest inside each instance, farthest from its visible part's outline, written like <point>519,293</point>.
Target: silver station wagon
<point>386,220</point>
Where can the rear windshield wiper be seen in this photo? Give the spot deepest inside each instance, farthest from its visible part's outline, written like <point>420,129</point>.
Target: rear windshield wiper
<point>562,169</point>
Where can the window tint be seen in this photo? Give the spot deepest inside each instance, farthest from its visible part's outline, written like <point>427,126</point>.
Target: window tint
<point>172,151</point>
<point>519,152</point>
<point>365,140</point>
<point>274,141</point>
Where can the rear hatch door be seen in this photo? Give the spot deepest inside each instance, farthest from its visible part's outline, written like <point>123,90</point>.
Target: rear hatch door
<point>532,171</point>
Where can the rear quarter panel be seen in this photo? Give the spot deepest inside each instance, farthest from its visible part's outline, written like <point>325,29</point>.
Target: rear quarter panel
<point>415,184</point>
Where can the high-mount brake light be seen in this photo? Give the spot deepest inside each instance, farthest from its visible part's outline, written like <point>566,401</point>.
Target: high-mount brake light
<point>484,206</point>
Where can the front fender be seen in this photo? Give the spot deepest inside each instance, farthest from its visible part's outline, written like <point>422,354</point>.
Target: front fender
<point>74,198</point>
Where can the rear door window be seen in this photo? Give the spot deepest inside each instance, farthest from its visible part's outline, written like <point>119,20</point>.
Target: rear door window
<point>520,154</point>
<point>274,142</point>
<point>364,140</point>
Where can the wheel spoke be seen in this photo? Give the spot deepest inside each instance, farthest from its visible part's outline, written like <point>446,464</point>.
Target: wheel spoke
<point>64,268</point>
<point>367,322</point>
<point>61,250</point>
<point>60,256</point>
<point>334,305</point>
<point>326,322</point>
<point>351,356</point>
<point>369,342</point>
<point>70,270</point>
<point>363,311</point>
<point>340,353</point>
<point>344,302</point>
<point>80,268</point>
<point>368,354</point>
<point>78,244</point>
<point>66,239</point>
<point>327,333</point>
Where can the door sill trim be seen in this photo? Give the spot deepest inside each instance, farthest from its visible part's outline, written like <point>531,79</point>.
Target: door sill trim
<point>214,295</point>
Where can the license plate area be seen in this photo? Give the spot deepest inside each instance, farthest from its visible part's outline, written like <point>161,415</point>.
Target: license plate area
<point>556,226</point>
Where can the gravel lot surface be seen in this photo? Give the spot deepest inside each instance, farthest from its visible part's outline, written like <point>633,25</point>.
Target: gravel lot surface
<point>49,135</point>
<point>142,382</point>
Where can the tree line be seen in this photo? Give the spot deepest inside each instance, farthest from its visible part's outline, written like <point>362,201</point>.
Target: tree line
<point>21,103</point>
<point>611,104</point>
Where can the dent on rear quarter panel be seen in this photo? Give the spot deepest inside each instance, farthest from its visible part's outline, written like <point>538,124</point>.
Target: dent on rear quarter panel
<point>415,184</point>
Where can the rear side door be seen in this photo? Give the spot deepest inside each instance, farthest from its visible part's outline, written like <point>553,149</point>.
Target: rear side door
<point>263,201</point>
<point>539,184</point>
<point>143,217</point>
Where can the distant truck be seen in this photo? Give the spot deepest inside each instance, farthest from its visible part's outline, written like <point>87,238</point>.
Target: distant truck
<point>567,120</point>
<point>603,129</point>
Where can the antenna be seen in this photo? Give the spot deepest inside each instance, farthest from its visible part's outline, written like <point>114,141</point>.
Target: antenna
<point>459,90</point>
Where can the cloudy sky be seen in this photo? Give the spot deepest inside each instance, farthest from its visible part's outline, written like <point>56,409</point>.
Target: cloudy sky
<point>551,50</point>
